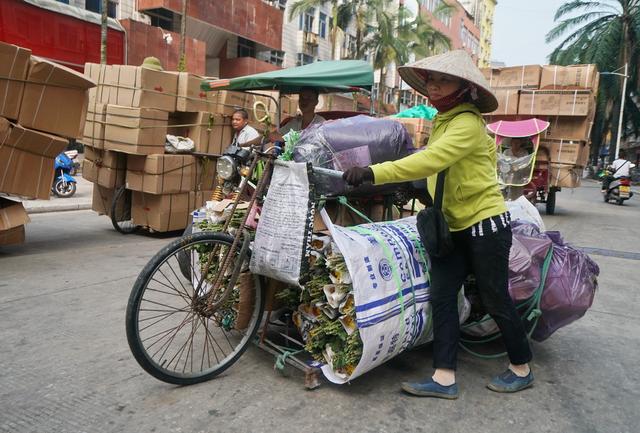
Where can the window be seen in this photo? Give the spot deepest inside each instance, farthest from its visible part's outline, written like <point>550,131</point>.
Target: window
<point>303,59</point>
<point>96,6</point>
<point>306,20</point>
<point>246,48</point>
<point>348,47</point>
<point>406,97</point>
<point>281,4</point>
<point>374,91</point>
<point>322,26</point>
<point>63,1</point>
<point>276,57</point>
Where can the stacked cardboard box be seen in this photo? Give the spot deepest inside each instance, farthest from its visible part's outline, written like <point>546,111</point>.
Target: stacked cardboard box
<point>418,129</point>
<point>562,95</point>
<point>131,111</point>
<point>42,106</point>
<point>13,217</point>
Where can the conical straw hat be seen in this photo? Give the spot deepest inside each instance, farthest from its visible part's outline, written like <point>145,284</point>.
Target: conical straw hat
<point>457,63</point>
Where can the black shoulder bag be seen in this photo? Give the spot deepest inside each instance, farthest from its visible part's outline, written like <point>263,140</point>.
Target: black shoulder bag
<point>432,227</point>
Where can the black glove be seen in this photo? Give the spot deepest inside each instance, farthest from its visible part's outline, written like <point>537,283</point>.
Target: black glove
<point>356,176</point>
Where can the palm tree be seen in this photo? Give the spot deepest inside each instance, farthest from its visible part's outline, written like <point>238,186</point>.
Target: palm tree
<point>397,36</point>
<point>605,33</point>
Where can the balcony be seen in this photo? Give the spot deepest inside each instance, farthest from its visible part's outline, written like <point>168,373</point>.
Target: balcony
<point>250,19</point>
<point>241,66</point>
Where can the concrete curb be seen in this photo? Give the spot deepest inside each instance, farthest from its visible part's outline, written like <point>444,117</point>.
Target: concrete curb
<point>59,208</point>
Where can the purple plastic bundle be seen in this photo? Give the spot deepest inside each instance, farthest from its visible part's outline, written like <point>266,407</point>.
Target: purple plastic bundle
<point>569,289</point>
<point>571,280</point>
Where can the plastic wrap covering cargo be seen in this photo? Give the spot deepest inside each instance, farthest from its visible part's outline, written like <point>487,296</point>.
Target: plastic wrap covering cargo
<point>567,291</point>
<point>345,143</point>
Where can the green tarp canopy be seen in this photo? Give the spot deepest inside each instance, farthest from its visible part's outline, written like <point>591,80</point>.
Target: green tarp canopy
<point>329,76</point>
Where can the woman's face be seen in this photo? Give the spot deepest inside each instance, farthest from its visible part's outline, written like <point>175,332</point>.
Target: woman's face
<point>441,85</point>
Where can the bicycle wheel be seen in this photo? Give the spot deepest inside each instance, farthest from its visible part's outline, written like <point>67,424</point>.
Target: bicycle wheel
<point>121,211</point>
<point>171,330</point>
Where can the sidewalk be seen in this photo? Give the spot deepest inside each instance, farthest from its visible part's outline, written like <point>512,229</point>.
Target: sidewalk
<point>80,200</point>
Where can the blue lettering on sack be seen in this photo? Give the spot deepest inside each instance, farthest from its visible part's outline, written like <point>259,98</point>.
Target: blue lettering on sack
<point>372,275</point>
<point>384,267</point>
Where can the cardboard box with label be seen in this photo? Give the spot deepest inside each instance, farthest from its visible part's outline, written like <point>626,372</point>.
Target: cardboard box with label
<point>519,77</point>
<point>94,125</point>
<point>161,174</point>
<point>14,66</point>
<point>569,127</point>
<point>166,212</point>
<point>138,87</point>
<point>507,102</point>
<point>563,151</point>
<point>13,217</point>
<point>564,175</point>
<point>190,97</point>
<point>211,133</point>
<point>138,131</point>
<point>555,102</point>
<point>55,99</point>
<point>104,167</point>
<point>569,77</point>
<point>27,159</point>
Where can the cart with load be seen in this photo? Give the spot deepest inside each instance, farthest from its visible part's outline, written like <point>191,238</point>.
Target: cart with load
<point>352,297</point>
<point>520,171</point>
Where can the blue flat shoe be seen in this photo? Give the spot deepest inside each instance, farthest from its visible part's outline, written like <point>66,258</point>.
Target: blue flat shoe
<point>510,382</point>
<point>429,388</point>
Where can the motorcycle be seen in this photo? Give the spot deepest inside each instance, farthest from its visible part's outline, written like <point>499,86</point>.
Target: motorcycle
<point>618,189</point>
<point>73,155</point>
<point>64,185</point>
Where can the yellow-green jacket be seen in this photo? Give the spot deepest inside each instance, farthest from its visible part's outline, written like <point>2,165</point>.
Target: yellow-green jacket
<point>460,143</point>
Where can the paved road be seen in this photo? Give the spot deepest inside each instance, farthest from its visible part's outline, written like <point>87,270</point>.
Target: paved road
<point>66,367</point>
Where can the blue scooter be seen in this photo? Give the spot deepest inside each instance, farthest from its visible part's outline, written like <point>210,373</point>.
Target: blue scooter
<point>64,185</point>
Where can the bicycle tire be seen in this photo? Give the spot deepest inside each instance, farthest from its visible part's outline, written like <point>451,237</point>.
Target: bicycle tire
<point>142,345</point>
<point>120,212</point>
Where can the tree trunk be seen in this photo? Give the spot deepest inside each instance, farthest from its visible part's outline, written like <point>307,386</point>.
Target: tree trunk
<point>103,32</point>
<point>182,63</point>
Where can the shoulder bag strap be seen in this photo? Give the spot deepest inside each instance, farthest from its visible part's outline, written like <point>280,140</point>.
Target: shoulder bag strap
<point>437,201</point>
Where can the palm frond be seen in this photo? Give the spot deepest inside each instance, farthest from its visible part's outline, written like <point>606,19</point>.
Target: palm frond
<point>572,6</point>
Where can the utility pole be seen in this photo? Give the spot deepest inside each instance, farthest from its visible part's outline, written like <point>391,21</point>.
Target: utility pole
<point>103,32</point>
<point>624,89</point>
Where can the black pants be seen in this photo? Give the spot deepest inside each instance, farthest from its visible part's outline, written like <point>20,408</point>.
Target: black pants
<point>487,257</point>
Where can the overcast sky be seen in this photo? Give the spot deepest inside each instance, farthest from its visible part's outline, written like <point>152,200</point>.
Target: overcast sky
<point>519,29</point>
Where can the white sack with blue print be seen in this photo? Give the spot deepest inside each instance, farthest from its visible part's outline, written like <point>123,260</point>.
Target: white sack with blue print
<point>368,298</point>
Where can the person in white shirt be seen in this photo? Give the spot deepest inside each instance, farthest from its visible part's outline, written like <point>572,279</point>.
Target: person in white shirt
<point>618,168</point>
<point>245,135</point>
<point>308,99</point>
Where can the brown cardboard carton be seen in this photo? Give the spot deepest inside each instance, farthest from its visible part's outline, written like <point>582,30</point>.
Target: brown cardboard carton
<point>227,102</point>
<point>139,131</point>
<point>555,102</point>
<point>55,99</point>
<point>418,129</point>
<point>94,125</point>
<point>569,128</point>
<point>507,102</point>
<point>12,214</point>
<point>190,97</point>
<point>98,73</point>
<point>102,201</point>
<point>103,167</point>
<point>563,151</point>
<point>492,76</point>
<point>162,213</point>
<point>161,174</point>
<point>14,65</point>
<point>134,86</point>
<point>564,176</point>
<point>569,77</point>
<point>12,236</point>
<point>209,132</point>
<point>26,160</point>
<point>519,77</point>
